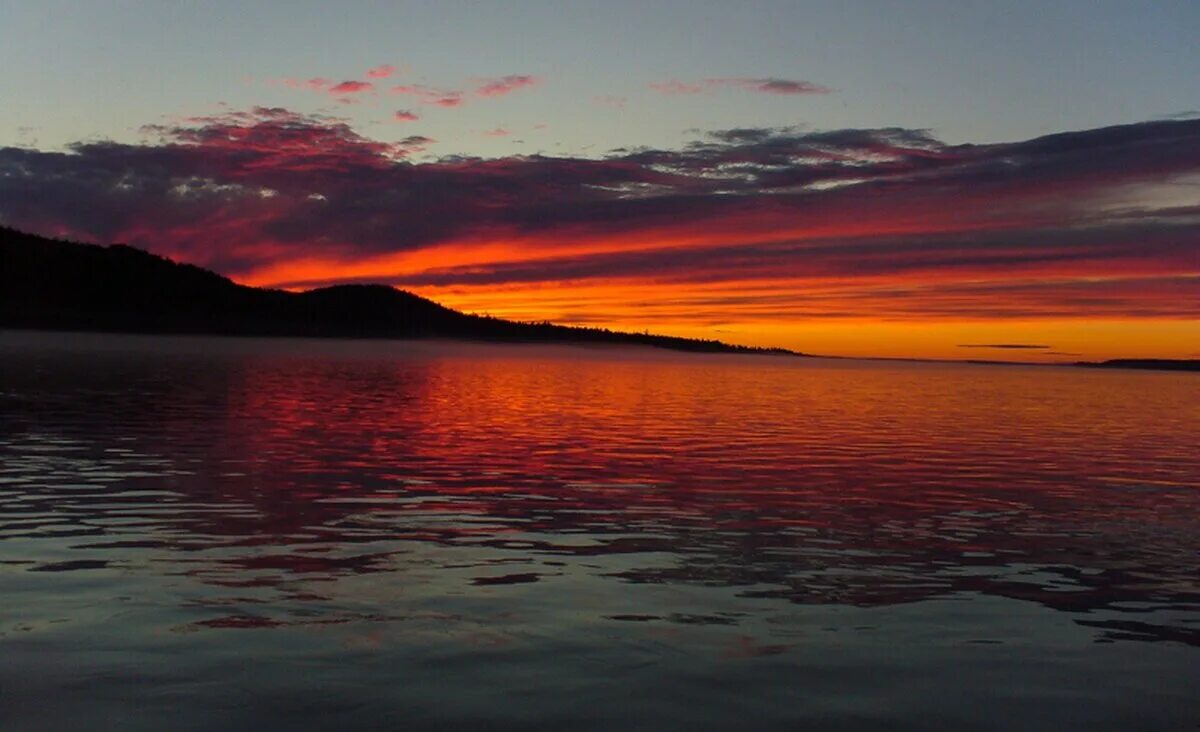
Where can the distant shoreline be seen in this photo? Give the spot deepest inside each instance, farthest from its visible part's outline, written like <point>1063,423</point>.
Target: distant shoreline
<point>1171,365</point>
<point>1149,364</point>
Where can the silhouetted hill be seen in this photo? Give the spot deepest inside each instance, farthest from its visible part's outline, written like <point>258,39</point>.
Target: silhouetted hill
<point>59,285</point>
<point>1156,364</point>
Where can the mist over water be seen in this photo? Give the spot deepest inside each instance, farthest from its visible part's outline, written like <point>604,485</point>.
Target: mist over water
<point>229,534</point>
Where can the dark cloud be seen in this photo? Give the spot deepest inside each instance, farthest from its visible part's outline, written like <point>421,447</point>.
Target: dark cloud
<point>762,85</point>
<point>1004,345</point>
<point>777,86</point>
<point>741,135</point>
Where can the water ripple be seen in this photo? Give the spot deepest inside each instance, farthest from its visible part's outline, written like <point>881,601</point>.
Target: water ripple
<point>551,513</point>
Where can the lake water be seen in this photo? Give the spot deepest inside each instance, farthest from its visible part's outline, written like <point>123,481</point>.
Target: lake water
<point>225,534</point>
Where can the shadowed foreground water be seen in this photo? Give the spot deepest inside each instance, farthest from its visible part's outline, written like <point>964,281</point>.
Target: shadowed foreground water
<point>223,534</point>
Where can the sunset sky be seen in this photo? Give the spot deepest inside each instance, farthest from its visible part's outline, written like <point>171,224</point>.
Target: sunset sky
<point>1000,180</point>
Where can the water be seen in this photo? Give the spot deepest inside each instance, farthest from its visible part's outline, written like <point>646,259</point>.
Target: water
<point>224,534</point>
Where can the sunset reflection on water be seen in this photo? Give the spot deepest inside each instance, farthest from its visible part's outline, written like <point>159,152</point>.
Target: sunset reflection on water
<point>390,521</point>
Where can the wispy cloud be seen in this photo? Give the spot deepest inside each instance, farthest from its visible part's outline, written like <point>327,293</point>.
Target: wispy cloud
<point>382,71</point>
<point>776,86</point>
<point>608,100</point>
<point>674,86</point>
<point>484,88</point>
<point>404,115</point>
<point>314,84</point>
<point>762,85</point>
<point>503,85</point>
<point>446,97</point>
<point>430,95</point>
<point>1185,114</point>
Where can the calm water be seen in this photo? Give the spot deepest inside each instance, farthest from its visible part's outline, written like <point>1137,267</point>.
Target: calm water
<point>212,534</point>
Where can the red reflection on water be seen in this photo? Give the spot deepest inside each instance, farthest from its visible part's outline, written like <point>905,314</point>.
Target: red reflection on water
<point>805,481</point>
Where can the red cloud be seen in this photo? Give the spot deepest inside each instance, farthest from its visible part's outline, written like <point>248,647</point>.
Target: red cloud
<point>503,85</point>
<point>283,142</point>
<point>497,132</point>
<point>750,223</point>
<point>352,87</point>
<point>404,115</point>
<point>429,95</point>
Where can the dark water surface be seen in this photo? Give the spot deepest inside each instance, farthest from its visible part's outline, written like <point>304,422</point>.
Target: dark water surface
<point>223,534</point>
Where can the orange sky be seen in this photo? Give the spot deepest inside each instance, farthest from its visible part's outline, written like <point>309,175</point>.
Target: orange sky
<point>850,316</point>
